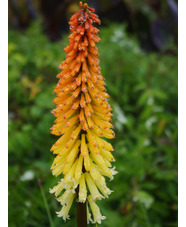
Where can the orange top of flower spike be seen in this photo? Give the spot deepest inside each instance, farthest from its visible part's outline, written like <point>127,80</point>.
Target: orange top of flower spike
<point>82,118</point>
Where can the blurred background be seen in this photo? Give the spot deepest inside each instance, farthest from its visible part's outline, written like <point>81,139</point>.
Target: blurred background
<point>138,54</point>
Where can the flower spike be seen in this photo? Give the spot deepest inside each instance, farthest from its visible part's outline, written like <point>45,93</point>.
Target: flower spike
<point>83,156</point>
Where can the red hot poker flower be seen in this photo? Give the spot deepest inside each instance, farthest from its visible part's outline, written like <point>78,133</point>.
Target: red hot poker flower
<point>82,121</point>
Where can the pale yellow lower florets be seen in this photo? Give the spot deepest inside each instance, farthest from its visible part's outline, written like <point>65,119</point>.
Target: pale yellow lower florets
<point>66,202</point>
<point>95,210</point>
<point>89,182</point>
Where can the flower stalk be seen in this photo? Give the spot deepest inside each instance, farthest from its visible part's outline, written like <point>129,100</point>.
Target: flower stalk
<point>83,115</point>
<point>81,212</point>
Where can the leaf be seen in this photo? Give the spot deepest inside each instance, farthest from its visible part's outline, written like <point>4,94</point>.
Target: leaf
<point>144,197</point>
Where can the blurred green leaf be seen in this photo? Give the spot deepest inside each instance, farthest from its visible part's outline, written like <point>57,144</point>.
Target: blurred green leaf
<point>144,197</point>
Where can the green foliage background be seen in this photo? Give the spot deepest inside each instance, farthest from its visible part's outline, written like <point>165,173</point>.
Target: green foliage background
<point>143,95</point>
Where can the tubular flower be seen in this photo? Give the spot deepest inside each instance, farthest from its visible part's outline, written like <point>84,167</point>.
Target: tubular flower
<point>83,115</point>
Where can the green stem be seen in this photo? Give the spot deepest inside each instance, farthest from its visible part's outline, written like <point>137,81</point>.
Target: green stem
<point>45,202</point>
<point>145,215</point>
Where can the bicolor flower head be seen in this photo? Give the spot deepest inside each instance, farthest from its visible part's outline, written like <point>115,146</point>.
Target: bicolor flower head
<point>83,114</point>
